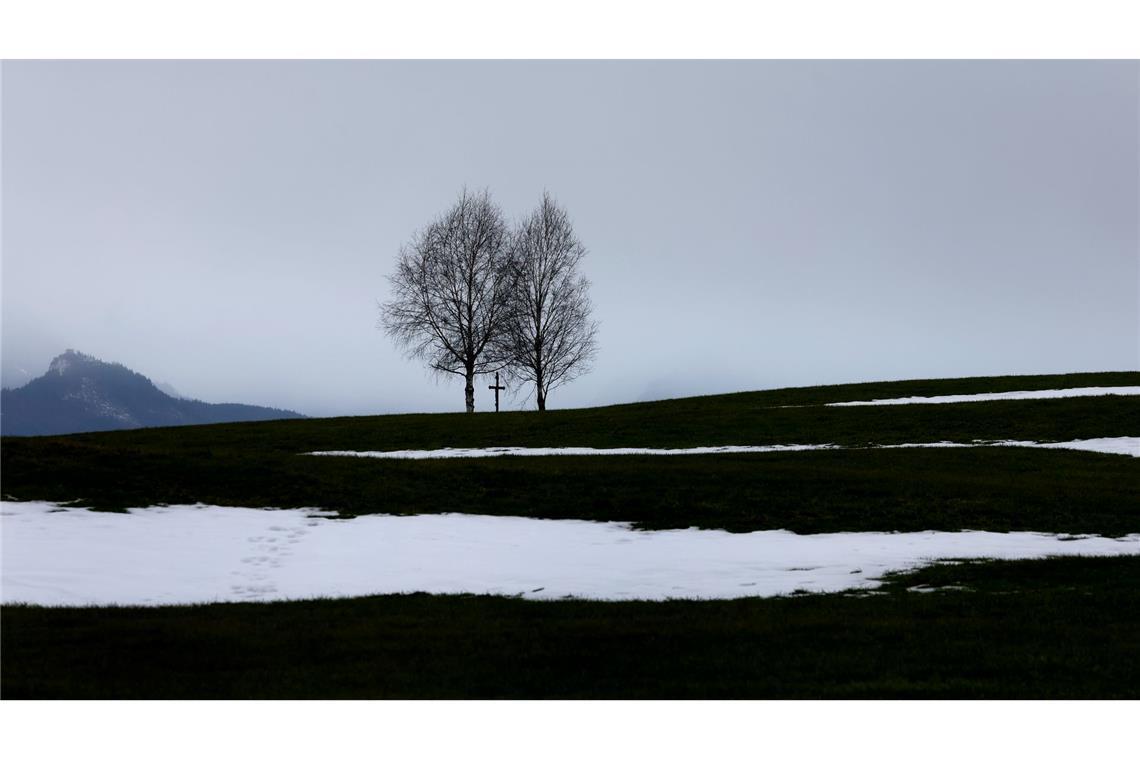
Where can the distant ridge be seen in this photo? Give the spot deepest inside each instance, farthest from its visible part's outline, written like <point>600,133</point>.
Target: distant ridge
<point>80,393</point>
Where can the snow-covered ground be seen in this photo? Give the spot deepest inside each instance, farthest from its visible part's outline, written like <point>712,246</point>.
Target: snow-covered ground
<point>1124,390</point>
<point>178,554</point>
<point>1123,445</point>
<point>523,451</point>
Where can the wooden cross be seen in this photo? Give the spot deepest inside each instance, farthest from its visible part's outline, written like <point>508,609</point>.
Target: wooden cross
<point>496,388</point>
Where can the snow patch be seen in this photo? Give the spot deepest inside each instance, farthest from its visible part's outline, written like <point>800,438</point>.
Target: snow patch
<point>524,451</point>
<point>1125,390</point>
<point>1124,445</point>
<point>94,403</point>
<point>194,553</point>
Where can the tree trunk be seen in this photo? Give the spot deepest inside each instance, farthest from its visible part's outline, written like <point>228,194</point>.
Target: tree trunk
<point>469,390</point>
<point>539,385</point>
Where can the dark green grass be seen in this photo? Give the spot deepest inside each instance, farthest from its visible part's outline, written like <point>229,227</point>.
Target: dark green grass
<point>1064,628</point>
<point>259,464</point>
<point>808,492</point>
<point>1057,628</point>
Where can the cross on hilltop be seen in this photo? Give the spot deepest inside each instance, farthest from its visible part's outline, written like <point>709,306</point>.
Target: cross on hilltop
<point>496,388</point>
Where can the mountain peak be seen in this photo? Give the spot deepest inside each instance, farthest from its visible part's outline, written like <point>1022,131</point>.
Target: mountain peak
<point>80,393</point>
<point>70,360</point>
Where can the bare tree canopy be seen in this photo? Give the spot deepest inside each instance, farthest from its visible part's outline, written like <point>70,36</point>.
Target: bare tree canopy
<point>549,336</point>
<point>451,291</point>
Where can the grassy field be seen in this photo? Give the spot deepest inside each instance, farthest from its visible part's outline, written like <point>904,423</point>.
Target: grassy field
<point>259,464</point>
<point>1063,628</point>
<point>808,492</point>
<point>1056,628</point>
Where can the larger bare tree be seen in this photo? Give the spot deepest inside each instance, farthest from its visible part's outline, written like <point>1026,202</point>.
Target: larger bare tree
<point>549,336</point>
<point>451,291</point>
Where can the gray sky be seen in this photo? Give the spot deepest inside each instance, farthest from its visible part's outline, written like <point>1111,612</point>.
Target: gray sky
<point>227,227</point>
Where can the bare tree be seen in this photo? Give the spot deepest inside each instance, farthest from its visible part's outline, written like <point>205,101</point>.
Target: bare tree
<point>549,336</point>
<point>451,291</point>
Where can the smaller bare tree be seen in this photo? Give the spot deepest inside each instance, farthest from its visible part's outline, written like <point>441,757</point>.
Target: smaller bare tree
<point>451,292</point>
<point>549,335</point>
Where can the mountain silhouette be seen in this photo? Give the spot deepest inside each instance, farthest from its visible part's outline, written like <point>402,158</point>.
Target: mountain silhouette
<point>80,393</point>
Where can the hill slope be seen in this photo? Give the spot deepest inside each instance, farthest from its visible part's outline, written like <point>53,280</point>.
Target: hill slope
<point>1031,629</point>
<point>261,464</point>
<point>80,393</point>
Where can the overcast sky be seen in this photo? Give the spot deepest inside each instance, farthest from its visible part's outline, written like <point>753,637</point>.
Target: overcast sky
<point>228,227</point>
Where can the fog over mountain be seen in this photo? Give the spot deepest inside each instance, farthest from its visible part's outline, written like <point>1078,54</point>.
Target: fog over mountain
<point>80,393</point>
<point>229,226</point>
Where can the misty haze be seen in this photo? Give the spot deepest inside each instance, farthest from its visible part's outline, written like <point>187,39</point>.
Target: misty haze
<point>229,227</point>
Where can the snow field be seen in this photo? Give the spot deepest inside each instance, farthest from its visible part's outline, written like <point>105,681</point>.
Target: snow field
<point>193,553</point>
